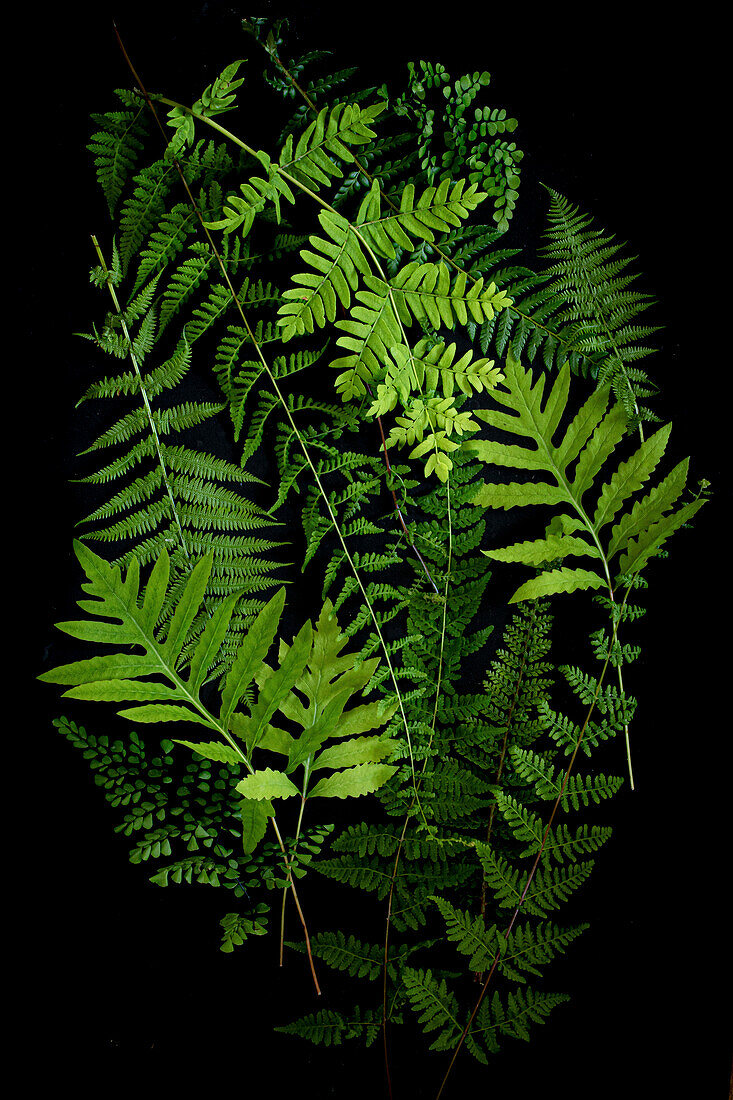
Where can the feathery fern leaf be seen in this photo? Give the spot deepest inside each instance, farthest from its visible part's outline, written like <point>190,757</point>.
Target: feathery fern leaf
<point>591,280</point>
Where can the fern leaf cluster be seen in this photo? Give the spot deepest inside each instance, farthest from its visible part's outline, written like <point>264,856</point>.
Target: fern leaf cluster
<point>358,332</point>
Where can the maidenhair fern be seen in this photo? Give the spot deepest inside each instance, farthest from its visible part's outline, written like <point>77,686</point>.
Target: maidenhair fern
<point>336,305</point>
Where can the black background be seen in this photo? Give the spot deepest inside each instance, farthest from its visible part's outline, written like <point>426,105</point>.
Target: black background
<point>623,114</point>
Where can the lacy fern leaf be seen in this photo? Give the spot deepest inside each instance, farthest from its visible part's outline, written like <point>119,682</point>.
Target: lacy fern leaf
<point>591,283</point>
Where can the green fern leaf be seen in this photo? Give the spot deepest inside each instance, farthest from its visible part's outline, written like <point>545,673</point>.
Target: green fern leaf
<point>117,145</point>
<point>588,441</point>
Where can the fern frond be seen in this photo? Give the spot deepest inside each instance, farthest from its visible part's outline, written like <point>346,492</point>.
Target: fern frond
<point>327,1027</point>
<point>144,207</point>
<point>588,442</point>
<point>590,275</point>
<point>436,210</point>
<point>117,145</point>
<point>436,1007</point>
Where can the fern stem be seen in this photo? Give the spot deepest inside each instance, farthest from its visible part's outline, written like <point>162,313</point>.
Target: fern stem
<point>293,850</point>
<point>271,50</point>
<point>144,394</point>
<point>548,827</point>
<point>282,926</point>
<point>444,624</point>
<point>385,1040</point>
<point>615,619</point>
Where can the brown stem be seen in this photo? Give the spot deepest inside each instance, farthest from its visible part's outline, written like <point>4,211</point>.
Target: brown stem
<point>274,55</point>
<point>307,937</point>
<point>291,885</point>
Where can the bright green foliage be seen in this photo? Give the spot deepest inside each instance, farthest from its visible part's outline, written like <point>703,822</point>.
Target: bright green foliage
<point>311,688</point>
<point>167,494</point>
<point>310,163</point>
<point>124,676</point>
<point>430,423</point>
<point>313,668</point>
<point>418,292</point>
<point>337,264</point>
<point>216,99</point>
<point>433,369</point>
<point>573,465</point>
<point>425,290</point>
<point>433,211</point>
